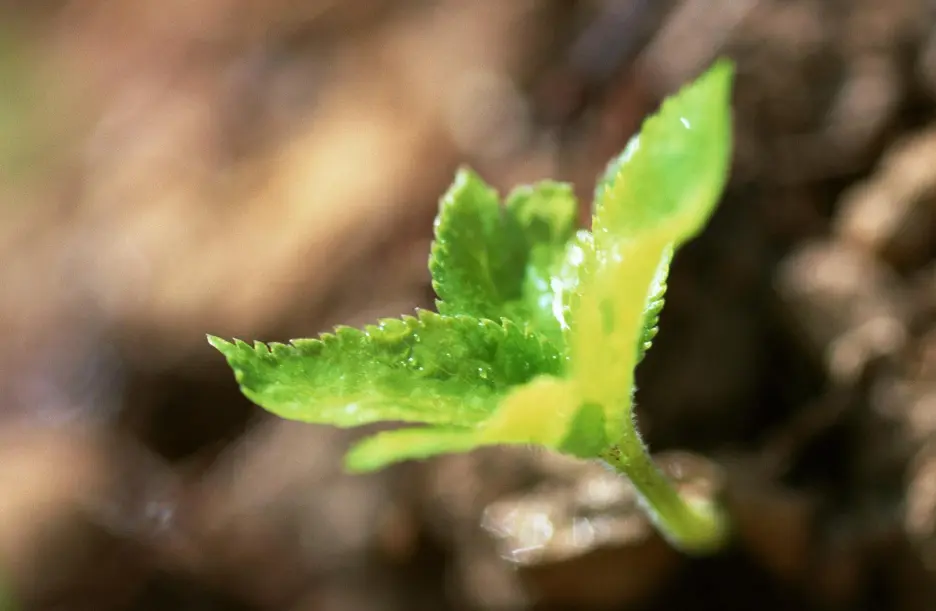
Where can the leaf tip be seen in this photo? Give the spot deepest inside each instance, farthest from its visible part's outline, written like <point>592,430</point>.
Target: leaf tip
<point>723,69</point>
<point>360,463</point>
<point>223,346</point>
<point>464,174</point>
<point>467,180</point>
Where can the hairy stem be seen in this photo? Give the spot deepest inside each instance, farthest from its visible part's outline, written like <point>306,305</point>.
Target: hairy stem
<point>695,526</point>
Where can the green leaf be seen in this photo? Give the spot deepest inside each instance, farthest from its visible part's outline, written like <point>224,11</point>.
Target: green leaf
<point>658,194</point>
<point>550,287</point>
<point>543,412</point>
<point>655,301</point>
<point>388,447</point>
<point>479,257</point>
<point>493,261</point>
<point>547,214</point>
<point>671,174</point>
<point>555,287</point>
<point>430,369</point>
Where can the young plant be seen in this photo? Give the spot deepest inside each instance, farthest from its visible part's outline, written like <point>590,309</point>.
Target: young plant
<point>539,326</point>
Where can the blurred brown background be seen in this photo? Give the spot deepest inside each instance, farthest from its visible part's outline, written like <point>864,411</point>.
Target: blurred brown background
<point>267,169</point>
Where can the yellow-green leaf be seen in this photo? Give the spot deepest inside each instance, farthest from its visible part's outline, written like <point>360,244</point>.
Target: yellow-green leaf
<point>656,196</point>
<point>544,412</point>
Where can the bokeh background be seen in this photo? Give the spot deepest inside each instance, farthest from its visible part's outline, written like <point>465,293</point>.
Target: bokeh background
<point>268,169</point>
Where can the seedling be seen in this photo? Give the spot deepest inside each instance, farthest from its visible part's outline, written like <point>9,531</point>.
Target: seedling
<point>540,325</point>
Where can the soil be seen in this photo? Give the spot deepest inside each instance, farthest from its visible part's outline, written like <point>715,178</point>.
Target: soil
<point>270,169</point>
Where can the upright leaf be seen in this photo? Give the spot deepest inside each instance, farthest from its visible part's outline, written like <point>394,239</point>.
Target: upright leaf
<point>548,215</point>
<point>479,255</point>
<point>493,261</point>
<point>546,212</point>
<point>658,194</point>
<point>654,305</point>
<point>671,174</point>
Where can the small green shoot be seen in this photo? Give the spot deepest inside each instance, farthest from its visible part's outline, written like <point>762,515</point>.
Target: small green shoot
<point>540,324</point>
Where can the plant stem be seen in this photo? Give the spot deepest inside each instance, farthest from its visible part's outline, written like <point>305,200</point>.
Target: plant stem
<point>695,526</point>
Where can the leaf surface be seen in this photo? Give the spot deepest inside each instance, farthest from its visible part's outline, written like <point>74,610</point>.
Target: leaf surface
<point>493,261</point>
<point>544,412</point>
<point>430,369</point>
<point>657,195</point>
